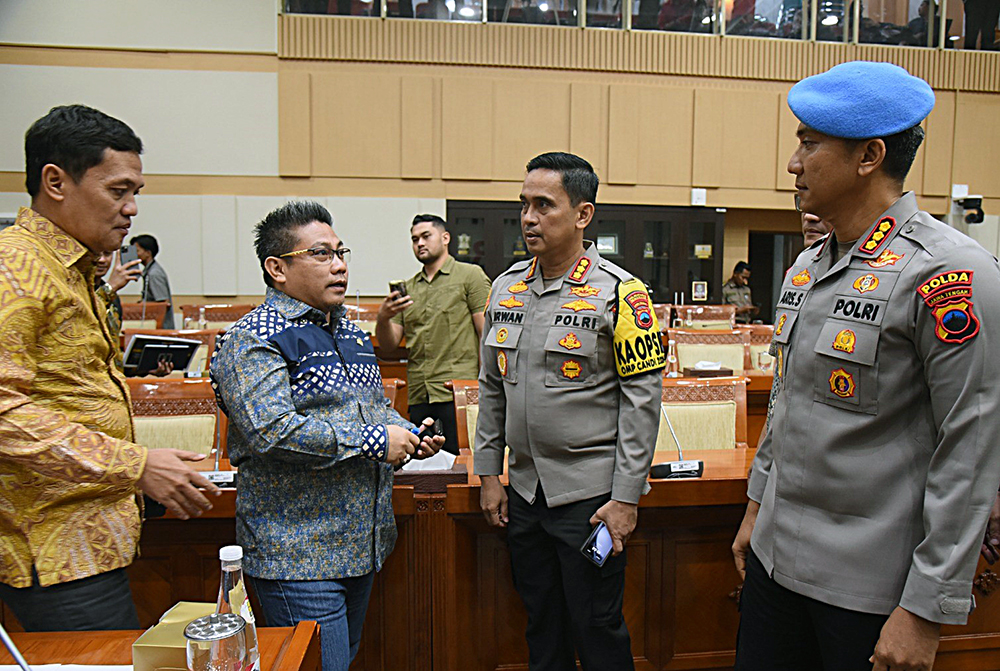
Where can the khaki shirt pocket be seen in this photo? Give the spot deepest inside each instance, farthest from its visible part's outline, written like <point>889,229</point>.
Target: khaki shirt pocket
<point>846,370</point>
<point>502,341</point>
<point>571,358</point>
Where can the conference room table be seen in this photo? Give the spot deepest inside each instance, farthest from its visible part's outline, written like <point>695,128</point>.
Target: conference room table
<point>445,601</point>
<point>281,648</point>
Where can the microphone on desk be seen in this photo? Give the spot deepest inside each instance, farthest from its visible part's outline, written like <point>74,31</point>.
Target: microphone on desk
<point>692,468</point>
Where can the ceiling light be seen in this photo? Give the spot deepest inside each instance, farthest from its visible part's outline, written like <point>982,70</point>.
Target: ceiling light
<point>706,20</point>
<point>544,6</point>
<point>830,20</point>
<point>467,12</point>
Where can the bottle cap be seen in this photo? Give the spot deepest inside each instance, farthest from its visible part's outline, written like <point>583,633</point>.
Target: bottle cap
<point>215,627</point>
<point>231,553</point>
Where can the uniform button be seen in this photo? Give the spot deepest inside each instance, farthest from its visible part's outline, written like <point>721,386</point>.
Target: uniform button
<point>909,229</point>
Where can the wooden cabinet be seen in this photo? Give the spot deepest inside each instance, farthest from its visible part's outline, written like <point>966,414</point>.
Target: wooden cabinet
<point>667,247</point>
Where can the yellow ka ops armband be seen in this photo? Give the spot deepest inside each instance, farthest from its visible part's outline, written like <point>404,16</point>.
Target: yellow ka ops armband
<point>637,344</point>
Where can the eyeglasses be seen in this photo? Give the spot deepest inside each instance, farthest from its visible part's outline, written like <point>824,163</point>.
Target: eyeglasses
<point>322,254</point>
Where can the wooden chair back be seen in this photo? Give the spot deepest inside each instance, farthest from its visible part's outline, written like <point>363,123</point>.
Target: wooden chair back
<point>466,393</point>
<point>760,336</point>
<point>394,387</point>
<point>704,317</point>
<point>155,398</point>
<point>218,316</point>
<point>707,391</point>
<point>144,315</point>
<point>693,346</point>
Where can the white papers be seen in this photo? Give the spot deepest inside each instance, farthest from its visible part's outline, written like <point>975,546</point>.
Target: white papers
<point>708,365</point>
<point>442,461</point>
<point>68,667</point>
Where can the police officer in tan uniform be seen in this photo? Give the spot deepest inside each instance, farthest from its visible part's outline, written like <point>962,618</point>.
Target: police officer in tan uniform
<point>571,379</point>
<point>871,489</point>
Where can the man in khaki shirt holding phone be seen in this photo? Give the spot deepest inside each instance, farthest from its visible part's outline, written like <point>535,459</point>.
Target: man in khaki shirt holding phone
<point>441,315</point>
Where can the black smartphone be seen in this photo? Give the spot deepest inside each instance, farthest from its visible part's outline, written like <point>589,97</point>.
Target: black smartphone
<point>598,546</point>
<point>400,286</point>
<point>129,253</point>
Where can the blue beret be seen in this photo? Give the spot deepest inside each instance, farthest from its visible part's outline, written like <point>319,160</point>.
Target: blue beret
<point>861,100</point>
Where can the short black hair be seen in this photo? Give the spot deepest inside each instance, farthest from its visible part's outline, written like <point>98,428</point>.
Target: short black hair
<point>74,138</point>
<point>274,235</point>
<point>147,242</point>
<point>578,177</point>
<point>740,267</point>
<point>900,150</point>
<point>433,218</point>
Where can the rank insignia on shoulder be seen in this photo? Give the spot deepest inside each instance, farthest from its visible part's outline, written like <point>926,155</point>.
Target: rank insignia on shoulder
<point>637,343</point>
<point>511,303</point>
<point>518,288</point>
<point>586,291</point>
<point>866,283</point>
<point>878,235</point>
<point>502,335</point>
<point>570,369</point>
<point>531,268</point>
<point>779,327</point>
<point>502,362</point>
<point>569,342</point>
<point>802,278</point>
<point>949,296</point>
<point>578,305</point>
<point>886,258</point>
<point>581,269</point>
<point>842,383</point>
<point>843,342</point>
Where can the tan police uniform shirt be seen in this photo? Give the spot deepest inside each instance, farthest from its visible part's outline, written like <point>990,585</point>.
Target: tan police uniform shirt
<point>880,464</point>
<point>570,379</point>
<point>740,297</point>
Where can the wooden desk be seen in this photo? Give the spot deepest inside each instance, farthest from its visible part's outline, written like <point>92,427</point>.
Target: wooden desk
<point>444,600</point>
<point>281,648</point>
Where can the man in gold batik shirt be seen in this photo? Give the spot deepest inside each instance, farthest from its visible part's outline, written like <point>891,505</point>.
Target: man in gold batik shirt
<point>69,521</point>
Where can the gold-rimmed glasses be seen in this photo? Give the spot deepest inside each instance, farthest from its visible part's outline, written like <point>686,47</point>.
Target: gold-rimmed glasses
<point>322,254</point>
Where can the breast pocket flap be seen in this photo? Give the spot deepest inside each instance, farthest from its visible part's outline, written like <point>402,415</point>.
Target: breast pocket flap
<point>505,337</point>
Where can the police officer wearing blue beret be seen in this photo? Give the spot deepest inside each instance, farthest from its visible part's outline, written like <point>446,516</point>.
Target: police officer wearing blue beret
<point>871,489</point>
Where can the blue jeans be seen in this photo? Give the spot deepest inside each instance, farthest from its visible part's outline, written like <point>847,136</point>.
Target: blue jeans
<point>338,605</point>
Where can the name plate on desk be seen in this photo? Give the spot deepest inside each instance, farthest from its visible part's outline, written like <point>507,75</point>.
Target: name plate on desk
<point>223,479</point>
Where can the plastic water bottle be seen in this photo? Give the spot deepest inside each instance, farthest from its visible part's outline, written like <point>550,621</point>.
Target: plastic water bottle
<point>202,322</point>
<point>233,599</point>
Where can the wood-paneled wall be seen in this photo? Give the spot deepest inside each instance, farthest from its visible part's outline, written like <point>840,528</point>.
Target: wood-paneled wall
<point>650,138</point>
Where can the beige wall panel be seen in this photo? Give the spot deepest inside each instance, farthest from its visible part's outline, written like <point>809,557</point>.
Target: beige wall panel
<point>623,134</point>
<point>707,146</point>
<point>219,255</point>
<point>195,25</point>
<point>191,122</point>
<point>665,126</point>
<point>787,141</point>
<point>589,124</point>
<point>939,146</point>
<point>467,133</point>
<point>417,126</point>
<point>525,126</point>
<point>294,124</point>
<point>356,120</point>
<point>977,143</point>
<point>749,139</point>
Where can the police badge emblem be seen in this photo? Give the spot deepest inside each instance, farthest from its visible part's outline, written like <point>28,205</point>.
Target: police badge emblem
<point>842,383</point>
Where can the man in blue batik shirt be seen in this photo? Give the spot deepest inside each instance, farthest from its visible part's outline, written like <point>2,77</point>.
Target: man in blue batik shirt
<point>313,435</point>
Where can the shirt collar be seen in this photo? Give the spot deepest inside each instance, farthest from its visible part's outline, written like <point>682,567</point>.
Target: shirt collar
<point>66,247</point>
<point>294,309</point>
<point>580,270</point>
<point>445,269</point>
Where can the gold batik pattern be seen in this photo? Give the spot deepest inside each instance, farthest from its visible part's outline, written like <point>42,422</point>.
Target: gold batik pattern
<point>68,468</point>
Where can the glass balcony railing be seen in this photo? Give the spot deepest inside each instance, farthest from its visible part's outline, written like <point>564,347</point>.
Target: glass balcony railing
<point>936,24</point>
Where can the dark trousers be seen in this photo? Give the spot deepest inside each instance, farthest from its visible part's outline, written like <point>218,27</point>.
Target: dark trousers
<point>102,601</point>
<point>443,411</point>
<point>784,631</point>
<point>571,603</point>
<point>981,21</point>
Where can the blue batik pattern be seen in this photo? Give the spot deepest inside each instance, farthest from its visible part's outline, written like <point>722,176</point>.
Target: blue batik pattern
<point>307,429</point>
